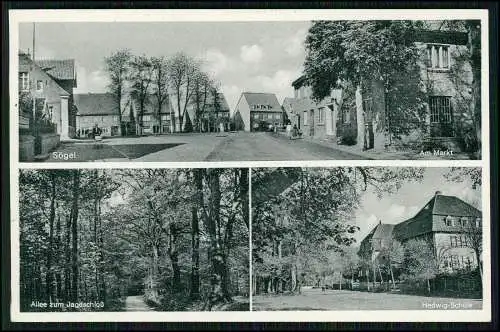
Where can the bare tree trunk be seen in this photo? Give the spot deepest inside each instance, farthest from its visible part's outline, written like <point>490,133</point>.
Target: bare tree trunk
<point>50,249</point>
<point>218,289</point>
<point>74,233</point>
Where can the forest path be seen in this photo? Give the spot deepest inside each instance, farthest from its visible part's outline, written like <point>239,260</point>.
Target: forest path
<point>136,303</point>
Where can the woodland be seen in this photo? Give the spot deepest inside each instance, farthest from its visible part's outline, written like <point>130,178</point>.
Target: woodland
<point>176,237</point>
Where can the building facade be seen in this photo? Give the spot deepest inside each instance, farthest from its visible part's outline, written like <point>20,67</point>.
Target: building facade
<point>444,80</point>
<point>447,223</point>
<point>96,109</point>
<point>50,83</point>
<point>153,121</point>
<point>314,119</point>
<point>257,112</point>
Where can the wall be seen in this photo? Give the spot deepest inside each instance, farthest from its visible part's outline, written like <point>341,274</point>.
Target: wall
<point>26,148</point>
<point>442,243</point>
<point>49,142</point>
<point>276,117</point>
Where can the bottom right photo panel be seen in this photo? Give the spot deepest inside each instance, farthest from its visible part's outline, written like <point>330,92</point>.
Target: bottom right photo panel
<point>367,238</point>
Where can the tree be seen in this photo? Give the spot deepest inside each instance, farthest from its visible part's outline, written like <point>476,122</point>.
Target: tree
<point>141,75</point>
<point>460,174</point>
<point>343,54</point>
<point>117,65</point>
<point>203,86</point>
<point>182,72</point>
<point>420,263</point>
<point>160,84</point>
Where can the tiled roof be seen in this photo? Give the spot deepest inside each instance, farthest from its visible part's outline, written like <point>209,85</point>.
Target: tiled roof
<point>383,231</point>
<point>422,222</point>
<point>152,105</point>
<point>59,69</point>
<point>26,64</point>
<point>223,102</point>
<point>95,104</point>
<point>255,98</point>
<point>453,206</point>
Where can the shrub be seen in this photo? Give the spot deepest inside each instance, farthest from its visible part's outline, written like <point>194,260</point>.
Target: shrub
<point>349,136</point>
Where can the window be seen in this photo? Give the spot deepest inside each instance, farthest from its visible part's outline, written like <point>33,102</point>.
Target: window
<point>478,222</point>
<point>438,56</point>
<point>256,116</point>
<point>115,118</point>
<point>269,116</point>
<point>39,85</point>
<point>321,115</point>
<point>164,117</point>
<point>277,116</point>
<point>51,112</point>
<point>146,118</point>
<point>453,241</point>
<point>24,81</point>
<point>305,118</point>
<point>441,116</point>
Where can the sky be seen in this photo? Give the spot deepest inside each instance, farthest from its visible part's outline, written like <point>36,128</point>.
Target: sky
<point>407,201</point>
<point>243,56</point>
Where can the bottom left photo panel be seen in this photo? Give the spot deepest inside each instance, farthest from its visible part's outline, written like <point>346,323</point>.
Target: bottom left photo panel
<point>134,240</point>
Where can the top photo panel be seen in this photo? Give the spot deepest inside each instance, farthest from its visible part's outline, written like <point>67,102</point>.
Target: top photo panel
<point>195,91</point>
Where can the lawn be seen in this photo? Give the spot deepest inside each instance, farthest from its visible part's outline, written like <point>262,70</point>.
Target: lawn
<point>315,299</point>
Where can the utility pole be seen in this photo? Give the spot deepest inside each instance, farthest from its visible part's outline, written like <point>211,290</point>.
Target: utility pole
<point>29,84</point>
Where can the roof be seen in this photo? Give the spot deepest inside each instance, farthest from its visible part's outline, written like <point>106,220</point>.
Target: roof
<point>222,102</point>
<point>95,104</point>
<point>151,106</point>
<point>258,98</point>
<point>422,222</point>
<point>59,69</point>
<point>299,81</point>
<point>383,231</point>
<point>454,206</point>
<point>26,64</point>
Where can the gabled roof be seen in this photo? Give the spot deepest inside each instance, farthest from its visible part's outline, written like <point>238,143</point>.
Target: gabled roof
<point>152,105</point>
<point>258,98</point>
<point>59,69</point>
<point>95,104</point>
<point>383,231</point>
<point>422,222</point>
<point>224,107</point>
<point>26,64</point>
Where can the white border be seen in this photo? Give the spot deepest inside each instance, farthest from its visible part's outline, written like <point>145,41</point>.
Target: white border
<point>18,16</point>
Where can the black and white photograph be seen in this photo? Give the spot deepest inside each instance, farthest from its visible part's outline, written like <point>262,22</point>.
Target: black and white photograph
<point>249,90</point>
<point>134,240</point>
<point>250,165</point>
<point>367,238</point>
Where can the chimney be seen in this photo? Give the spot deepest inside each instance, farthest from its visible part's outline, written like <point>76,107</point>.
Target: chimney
<point>438,193</point>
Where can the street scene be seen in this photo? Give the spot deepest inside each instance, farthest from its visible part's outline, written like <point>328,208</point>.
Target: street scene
<point>239,91</point>
<point>134,240</point>
<point>367,238</point>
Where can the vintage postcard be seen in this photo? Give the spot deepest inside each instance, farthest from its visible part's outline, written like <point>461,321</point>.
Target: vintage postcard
<point>367,238</point>
<point>249,165</point>
<point>120,88</point>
